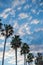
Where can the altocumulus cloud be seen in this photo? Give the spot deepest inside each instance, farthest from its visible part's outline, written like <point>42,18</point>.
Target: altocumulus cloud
<point>23,15</point>
<point>5,13</point>
<point>35,21</point>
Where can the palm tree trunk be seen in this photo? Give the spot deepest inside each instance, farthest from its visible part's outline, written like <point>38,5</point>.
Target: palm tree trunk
<point>28,63</point>
<point>16,55</point>
<point>4,51</point>
<point>25,59</point>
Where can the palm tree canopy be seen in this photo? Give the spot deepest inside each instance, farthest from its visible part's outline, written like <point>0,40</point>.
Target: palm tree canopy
<point>7,30</point>
<point>39,54</point>
<point>38,59</point>
<point>24,49</point>
<point>30,57</point>
<point>16,42</point>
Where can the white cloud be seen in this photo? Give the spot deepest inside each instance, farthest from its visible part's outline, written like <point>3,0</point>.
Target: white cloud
<point>0,56</point>
<point>23,15</point>
<point>40,51</point>
<point>36,48</point>
<point>20,58</point>
<point>16,25</point>
<point>19,8</point>
<point>24,29</point>
<point>39,29</point>
<point>28,30</point>
<point>11,56</point>
<point>5,14</point>
<point>17,3</point>
<point>1,45</point>
<point>20,31</point>
<point>7,53</point>
<point>35,21</point>
<point>7,10</point>
<point>21,62</point>
<point>33,11</point>
<point>1,37</point>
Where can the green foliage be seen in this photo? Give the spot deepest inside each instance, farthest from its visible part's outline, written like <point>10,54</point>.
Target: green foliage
<point>38,60</point>
<point>24,49</point>
<point>7,30</point>
<point>30,57</point>
<point>16,42</point>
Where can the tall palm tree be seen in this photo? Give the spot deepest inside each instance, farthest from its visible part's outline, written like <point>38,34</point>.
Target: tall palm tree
<point>24,50</point>
<point>30,57</point>
<point>16,43</point>
<point>7,31</point>
<point>38,60</point>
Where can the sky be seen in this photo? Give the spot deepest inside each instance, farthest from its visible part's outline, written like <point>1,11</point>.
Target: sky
<point>26,17</point>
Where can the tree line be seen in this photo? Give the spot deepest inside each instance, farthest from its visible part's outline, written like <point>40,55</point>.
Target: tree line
<point>16,42</point>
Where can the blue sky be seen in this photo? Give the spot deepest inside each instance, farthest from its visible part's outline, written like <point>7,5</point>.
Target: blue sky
<point>26,17</point>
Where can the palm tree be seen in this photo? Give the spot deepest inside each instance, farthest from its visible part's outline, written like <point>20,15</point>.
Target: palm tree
<point>16,43</point>
<point>38,60</point>
<point>7,31</point>
<point>24,50</point>
<point>30,57</point>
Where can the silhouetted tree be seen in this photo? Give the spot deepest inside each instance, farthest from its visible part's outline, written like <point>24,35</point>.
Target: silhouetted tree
<point>39,60</point>
<point>7,31</point>
<point>24,50</point>
<point>30,57</point>
<point>15,44</point>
